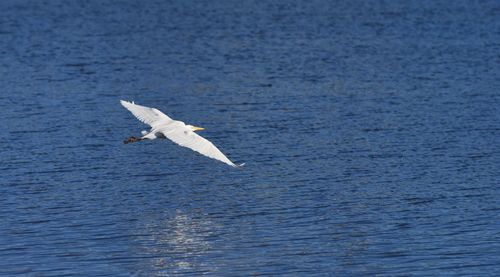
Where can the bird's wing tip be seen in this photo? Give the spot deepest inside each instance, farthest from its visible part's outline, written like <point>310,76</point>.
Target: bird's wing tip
<point>239,165</point>
<point>124,103</point>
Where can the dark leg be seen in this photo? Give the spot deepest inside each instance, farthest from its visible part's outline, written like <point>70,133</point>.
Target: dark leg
<point>132,139</point>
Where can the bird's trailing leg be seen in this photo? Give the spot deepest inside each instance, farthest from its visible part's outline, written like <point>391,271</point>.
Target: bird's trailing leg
<point>132,139</point>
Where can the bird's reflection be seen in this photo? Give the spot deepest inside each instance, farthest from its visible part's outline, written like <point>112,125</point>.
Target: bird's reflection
<point>178,244</point>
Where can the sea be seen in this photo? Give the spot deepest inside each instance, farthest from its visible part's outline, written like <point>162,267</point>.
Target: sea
<point>370,133</point>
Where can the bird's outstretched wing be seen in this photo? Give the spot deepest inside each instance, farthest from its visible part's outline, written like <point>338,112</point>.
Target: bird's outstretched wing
<point>187,138</point>
<point>150,116</point>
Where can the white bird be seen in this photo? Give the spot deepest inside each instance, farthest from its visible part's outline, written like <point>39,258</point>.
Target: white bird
<point>163,126</point>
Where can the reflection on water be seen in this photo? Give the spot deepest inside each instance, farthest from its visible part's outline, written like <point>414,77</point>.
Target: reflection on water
<point>177,244</point>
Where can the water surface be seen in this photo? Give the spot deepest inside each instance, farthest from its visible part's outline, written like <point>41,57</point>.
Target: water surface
<point>370,132</point>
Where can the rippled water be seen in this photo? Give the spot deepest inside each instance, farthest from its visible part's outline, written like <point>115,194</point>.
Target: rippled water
<point>370,132</point>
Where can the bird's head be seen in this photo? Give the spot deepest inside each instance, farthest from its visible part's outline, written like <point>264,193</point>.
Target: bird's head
<point>194,128</point>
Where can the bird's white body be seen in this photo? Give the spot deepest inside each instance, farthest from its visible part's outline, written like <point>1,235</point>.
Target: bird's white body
<point>163,126</point>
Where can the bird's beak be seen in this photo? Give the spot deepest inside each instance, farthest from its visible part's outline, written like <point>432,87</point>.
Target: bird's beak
<point>198,128</point>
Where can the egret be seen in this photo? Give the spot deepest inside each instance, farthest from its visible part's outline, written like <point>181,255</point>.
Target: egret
<point>183,134</point>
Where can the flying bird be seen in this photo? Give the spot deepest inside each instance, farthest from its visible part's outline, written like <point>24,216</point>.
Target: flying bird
<point>163,126</point>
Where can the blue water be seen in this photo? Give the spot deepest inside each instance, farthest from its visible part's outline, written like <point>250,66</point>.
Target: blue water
<point>370,132</point>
